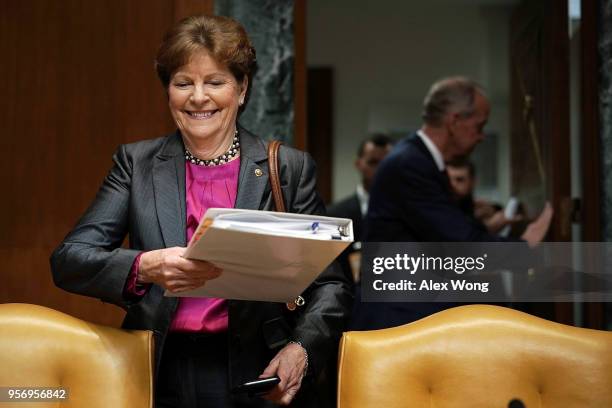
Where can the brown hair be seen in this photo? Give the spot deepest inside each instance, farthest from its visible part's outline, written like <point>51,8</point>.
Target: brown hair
<point>224,38</point>
<point>378,140</point>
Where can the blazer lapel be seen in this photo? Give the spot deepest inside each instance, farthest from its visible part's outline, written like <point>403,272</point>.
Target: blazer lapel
<point>169,191</point>
<point>253,177</point>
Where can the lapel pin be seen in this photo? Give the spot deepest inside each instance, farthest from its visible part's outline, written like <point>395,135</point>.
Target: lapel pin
<point>258,172</point>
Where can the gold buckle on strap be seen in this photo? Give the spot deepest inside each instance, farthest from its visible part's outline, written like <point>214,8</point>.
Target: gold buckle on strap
<point>298,302</point>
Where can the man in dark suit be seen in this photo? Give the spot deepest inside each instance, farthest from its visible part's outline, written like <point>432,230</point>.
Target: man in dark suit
<point>411,200</point>
<point>369,155</point>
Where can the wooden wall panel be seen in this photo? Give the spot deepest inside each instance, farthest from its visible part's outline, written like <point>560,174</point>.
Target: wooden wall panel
<point>591,219</point>
<point>184,8</point>
<point>540,86</point>
<point>78,80</point>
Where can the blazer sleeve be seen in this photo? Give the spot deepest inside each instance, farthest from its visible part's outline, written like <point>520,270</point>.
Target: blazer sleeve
<point>90,260</point>
<point>329,298</point>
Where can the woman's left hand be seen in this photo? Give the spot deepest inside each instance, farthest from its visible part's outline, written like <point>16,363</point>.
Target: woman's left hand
<point>289,365</point>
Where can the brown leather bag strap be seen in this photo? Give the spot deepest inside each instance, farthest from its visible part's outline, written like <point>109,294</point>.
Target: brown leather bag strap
<point>279,202</point>
<point>277,193</point>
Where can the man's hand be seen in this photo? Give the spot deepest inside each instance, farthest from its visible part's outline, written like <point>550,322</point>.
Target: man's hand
<point>498,220</point>
<point>289,364</point>
<point>536,231</point>
<point>167,268</point>
<point>483,209</point>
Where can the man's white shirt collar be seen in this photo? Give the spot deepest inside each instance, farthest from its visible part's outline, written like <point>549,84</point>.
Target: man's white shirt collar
<point>433,149</point>
<point>362,197</point>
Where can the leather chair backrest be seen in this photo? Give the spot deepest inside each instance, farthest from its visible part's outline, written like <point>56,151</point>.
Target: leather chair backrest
<point>99,366</point>
<point>476,356</point>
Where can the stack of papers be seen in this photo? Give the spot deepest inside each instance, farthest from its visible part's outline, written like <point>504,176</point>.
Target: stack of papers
<point>266,256</point>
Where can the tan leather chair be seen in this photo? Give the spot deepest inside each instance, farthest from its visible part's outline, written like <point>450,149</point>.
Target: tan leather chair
<point>100,366</point>
<point>476,356</point>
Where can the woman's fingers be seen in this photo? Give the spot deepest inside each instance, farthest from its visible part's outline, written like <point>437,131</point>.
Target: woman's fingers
<point>199,269</point>
<point>289,364</point>
<point>182,286</point>
<point>169,269</point>
<point>289,395</point>
<point>191,277</point>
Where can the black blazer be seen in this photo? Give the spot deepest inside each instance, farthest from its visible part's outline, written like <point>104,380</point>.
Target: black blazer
<point>410,201</point>
<point>143,196</point>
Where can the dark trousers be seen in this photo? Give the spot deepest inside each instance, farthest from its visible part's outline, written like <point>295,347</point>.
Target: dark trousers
<point>193,372</point>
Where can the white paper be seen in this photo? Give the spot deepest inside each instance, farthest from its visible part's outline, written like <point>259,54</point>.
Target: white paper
<point>266,256</point>
<point>509,213</point>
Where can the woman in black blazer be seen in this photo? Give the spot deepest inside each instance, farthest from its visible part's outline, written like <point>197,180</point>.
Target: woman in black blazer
<point>154,194</point>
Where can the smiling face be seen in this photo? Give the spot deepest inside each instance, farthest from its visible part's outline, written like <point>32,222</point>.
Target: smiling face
<point>204,98</point>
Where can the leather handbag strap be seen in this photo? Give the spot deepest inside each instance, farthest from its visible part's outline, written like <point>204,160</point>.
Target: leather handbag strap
<point>279,202</point>
<point>277,193</point>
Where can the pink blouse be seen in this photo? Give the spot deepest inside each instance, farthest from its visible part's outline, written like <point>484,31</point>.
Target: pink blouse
<point>206,187</point>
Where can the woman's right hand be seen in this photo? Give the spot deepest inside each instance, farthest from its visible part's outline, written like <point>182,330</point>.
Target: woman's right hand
<point>170,270</point>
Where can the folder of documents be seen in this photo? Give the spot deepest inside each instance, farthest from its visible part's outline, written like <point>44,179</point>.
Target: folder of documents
<point>265,256</point>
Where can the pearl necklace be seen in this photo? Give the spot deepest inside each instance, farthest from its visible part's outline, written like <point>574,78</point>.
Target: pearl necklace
<point>233,150</point>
